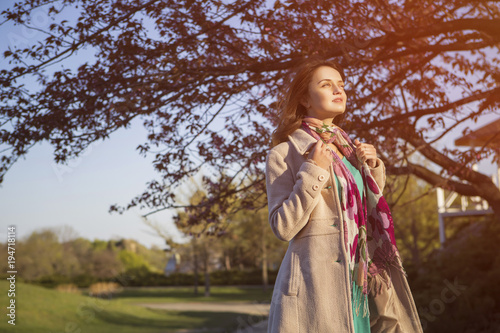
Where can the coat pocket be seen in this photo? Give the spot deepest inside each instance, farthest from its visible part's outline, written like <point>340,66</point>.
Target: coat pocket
<point>286,318</point>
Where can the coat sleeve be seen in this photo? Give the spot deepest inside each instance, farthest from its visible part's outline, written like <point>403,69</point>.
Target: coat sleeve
<point>291,202</point>
<point>378,173</point>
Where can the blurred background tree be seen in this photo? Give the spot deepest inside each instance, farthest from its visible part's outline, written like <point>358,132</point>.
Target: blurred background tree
<point>414,211</point>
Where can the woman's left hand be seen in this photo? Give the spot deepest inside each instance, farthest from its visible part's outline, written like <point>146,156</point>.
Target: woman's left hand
<point>366,153</point>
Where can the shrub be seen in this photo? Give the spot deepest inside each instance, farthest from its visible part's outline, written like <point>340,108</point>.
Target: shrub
<point>101,289</point>
<point>471,261</point>
<point>68,288</point>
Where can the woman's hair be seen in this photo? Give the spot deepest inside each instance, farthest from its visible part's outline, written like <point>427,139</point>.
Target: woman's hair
<point>291,111</point>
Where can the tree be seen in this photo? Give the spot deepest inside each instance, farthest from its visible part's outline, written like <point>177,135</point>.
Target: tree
<point>203,249</point>
<point>40,255</point>
<point>414,211</point>
<point>105,264</point>
<point>205,78</point>
<point>254,238</point>
<point>81,248</point>
<point>131,260</point>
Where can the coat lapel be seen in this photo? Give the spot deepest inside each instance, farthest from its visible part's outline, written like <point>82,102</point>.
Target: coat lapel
<point>301,141</point>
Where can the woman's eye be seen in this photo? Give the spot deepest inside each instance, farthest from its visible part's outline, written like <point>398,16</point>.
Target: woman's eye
<point>326,85</point>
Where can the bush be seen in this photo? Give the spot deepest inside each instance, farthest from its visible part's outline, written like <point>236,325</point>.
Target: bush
<point>84,280</point>
<point>470,261</point>
<point>238,277</point>
<point>143,278</point>
<point>52,281</point>
<point>68,288</point>
<point>138,277</point>
<point>101,289</point>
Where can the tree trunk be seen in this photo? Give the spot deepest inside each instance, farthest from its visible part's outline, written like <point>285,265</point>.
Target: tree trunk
<point>227,261</point>
<point>207,283</point>
<point>206,269</point>
<point>195,261</point>
<point>495,205</point>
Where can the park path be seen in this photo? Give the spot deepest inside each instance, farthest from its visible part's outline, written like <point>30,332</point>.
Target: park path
<point>248,324</point>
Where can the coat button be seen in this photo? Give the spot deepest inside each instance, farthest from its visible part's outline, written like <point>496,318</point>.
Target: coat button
<point>315,187</point>
<point>321,178</point>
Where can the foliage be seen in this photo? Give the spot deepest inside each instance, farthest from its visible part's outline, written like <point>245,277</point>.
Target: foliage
<point>42,255</point>
<point>205,78</point>
<point>249,231</point>
<point>42,259</point>
<point>239,277</point>
<point>186,294</point>
<point>237,236</point>
<point>155,257</point>
<point>131,260</point>
<point>469,262</point>
<point>105,264</point>
<point>45,261</point>
<point>100,245</point>
<point>415,215</point>
<point>217,278</point>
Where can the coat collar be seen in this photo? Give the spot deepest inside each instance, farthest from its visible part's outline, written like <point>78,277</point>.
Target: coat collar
<point>301,140</point>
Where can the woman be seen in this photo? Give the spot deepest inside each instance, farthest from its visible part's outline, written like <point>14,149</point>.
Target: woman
<point>342,271</point>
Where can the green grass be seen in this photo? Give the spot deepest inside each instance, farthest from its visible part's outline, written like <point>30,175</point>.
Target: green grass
<point>43,310</point>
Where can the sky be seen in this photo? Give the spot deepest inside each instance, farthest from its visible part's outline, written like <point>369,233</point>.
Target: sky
<point>37,193</point>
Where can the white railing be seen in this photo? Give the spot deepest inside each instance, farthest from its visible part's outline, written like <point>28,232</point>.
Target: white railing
<point>479,206</point>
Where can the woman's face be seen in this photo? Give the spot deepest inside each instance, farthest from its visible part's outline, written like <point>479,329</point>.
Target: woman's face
<point>326,97</point>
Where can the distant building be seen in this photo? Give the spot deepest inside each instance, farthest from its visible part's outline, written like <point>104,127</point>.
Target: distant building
<point>173,263</point>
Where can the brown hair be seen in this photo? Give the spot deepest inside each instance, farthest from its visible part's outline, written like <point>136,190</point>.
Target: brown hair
<point>291,111</point>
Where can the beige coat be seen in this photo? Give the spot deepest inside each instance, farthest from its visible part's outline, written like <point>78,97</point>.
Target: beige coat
<point>312,291</point>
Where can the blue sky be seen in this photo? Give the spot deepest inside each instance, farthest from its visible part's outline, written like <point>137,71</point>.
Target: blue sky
<point>37,193</point>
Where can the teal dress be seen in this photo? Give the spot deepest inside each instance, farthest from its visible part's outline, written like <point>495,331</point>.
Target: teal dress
<point>361,325</point>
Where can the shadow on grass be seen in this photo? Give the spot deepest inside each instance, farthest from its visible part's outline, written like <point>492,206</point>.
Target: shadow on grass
<point>221,322</point>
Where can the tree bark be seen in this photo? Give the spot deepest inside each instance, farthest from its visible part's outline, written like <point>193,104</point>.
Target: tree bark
<point>206,270</point>
<point>227,261</point>
<point>195,262</point>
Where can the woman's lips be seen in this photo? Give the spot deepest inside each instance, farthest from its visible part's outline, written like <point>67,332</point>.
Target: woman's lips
<point>338,100</point>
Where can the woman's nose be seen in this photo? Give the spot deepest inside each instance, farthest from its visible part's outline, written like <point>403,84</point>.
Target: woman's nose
<point>336,88</point>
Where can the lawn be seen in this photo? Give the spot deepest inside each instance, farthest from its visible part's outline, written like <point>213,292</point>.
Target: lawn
<point>43,310</point>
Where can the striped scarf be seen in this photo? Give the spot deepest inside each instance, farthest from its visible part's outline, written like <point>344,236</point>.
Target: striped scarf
<point>368,227</point>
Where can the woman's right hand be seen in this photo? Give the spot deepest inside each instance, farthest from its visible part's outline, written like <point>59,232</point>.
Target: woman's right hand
<point>321,154</point>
